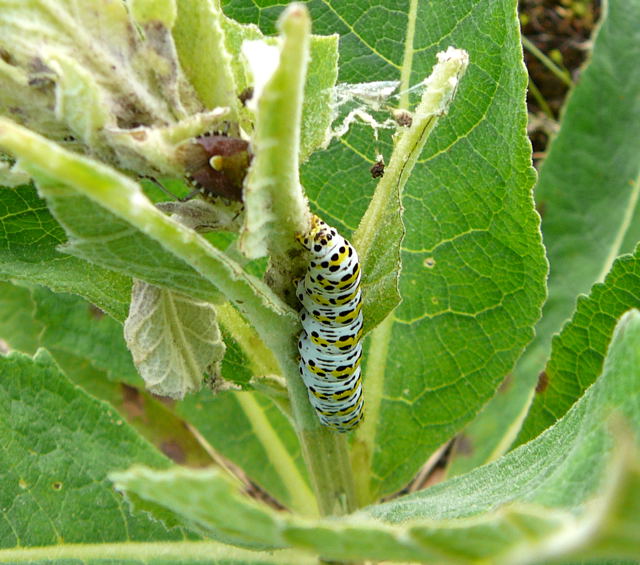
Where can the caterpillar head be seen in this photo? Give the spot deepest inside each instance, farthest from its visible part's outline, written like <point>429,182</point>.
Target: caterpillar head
<point>318,236</point>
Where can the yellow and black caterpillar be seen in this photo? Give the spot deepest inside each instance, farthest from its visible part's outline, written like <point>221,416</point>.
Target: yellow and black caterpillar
<point>331,316</point>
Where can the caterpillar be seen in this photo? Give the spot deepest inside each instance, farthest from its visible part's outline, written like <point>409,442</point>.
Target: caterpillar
<point>331,317</point>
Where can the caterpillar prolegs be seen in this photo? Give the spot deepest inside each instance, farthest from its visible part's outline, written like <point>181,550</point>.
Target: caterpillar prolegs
<point>331,317</point>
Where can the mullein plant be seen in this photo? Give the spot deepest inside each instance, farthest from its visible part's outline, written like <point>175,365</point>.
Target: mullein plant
<point>419,157</point>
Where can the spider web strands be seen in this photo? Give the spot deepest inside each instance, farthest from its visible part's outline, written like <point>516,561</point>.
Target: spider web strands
<point>374,96</point>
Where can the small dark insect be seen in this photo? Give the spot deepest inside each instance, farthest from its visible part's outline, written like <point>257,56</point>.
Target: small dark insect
<point>245,95</point>
<point>216,165</point>
<point>377,170</point>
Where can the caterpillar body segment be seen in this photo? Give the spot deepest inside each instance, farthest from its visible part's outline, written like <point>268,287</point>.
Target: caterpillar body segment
<point>331,317</point>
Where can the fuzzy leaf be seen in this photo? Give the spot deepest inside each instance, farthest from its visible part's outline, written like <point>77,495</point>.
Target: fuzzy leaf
<point>58,444</point>
<point>134,236</point>
<point>473,266</point>
<point>590,181</point>
<point>275,205</point>
<point>591,167</point>
<point>534,504</point>
<point>579,351</point>
<point>174,340</point>
<point>103,43</point>
<point>322,72</point>
<point>200,40</point>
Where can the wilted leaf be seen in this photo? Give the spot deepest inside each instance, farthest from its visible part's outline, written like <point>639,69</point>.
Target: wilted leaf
<point>174,340</point>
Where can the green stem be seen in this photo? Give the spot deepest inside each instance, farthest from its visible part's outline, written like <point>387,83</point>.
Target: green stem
<point>562,75</point>
<point>325,452</point>
<point>540,99</point>
<point>276,209</point>
<point>383,211</point>
<point>441,88</point>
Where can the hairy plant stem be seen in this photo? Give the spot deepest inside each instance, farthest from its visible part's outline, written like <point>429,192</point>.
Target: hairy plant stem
<point>325,452</point>
<point>274,196</point>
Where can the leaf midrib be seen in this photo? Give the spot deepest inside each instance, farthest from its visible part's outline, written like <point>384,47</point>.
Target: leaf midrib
<point>381,336</point>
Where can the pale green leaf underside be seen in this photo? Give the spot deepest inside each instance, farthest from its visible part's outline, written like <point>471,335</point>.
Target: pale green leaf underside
<point>153,553</point>
<point>539,500</point>
<point>200,42</point>
<point>173,338</point>
<point>275,207</point>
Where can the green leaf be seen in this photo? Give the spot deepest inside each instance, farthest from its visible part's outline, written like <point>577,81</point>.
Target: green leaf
<point>579,351</point>
<point>72,325</point>
<point>29,241</point>
<point>275,205</point>
<point>320,79</point>
<point>126,231</point>
<point>381,231</point>
<point>567,494</point>
<point>473,266</point>
<point>200,41</point>
<point>589,183</point>
<point>82,339</point>
<point>17,325</point>
<point>173,338</point>
<point>205,497</point>
<point>317,113</point>
<point>493,430</point>
<point>58,444</point>
<point>596,148</point>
